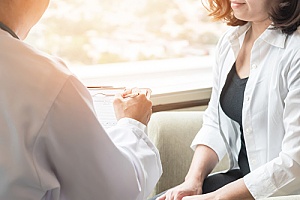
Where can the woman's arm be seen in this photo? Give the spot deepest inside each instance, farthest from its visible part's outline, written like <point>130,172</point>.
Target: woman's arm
<point>204,160</point>
<point>236,190</point>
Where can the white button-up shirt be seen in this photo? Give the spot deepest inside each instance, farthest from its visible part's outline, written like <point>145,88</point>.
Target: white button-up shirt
<point>271,112</point>
<point>52,146</point>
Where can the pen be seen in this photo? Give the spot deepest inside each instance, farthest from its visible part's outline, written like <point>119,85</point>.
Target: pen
<point>131,95</point>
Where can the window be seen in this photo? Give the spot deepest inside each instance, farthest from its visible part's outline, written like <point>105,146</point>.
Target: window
<point>165,45</point>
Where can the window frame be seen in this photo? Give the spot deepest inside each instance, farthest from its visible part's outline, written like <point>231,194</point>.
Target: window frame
<point>170,90</point>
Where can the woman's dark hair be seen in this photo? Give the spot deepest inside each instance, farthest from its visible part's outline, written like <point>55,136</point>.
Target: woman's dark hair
<point>285,14</point>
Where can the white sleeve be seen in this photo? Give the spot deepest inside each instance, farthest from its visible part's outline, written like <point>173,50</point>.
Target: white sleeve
<point>209,134</point>
<point>129,136</point>
<point>85,161</point>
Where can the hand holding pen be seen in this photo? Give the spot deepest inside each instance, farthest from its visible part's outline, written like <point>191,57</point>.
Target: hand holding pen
<point>134,103</point>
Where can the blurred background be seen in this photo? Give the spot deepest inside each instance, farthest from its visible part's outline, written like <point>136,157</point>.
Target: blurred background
<point>112,31</point>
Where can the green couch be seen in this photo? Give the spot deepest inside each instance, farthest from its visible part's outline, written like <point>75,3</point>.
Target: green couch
<point>172,132</point>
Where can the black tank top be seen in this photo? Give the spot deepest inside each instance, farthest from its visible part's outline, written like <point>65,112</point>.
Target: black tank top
<point>231,100</point>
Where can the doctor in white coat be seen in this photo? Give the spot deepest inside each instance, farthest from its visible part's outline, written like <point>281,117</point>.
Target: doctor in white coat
<point>52,146</point>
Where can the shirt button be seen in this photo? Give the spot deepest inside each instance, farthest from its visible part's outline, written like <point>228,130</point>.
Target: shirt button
<point>247,98</point>
<point>248,131</point>
<point>254,66</point>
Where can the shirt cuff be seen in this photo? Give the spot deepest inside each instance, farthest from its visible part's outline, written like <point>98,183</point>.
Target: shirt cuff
<point>211,139</point>
<point>129,121</point>
<point>259,183</point>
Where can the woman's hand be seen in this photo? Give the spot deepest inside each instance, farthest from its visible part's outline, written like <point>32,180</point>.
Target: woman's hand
<point>236,190</point>
<point>187,188</point>
<point>200,197</point>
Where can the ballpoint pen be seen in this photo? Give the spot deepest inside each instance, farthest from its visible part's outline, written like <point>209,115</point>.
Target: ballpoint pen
<point>131,95</point>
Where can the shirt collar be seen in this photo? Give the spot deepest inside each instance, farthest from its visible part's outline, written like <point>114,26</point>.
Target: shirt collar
<point>273,37</point>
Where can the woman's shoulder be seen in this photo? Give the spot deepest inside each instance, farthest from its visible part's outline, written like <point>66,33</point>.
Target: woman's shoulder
<point>296,37</point>
<point>293,41</point>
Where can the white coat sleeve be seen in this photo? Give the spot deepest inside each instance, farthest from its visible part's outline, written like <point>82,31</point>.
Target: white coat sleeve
<point>209,134</point>
<point>78,159</point>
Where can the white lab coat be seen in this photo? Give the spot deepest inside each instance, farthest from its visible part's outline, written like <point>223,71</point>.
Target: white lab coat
<point>52,146</point>
<point>271,112</point>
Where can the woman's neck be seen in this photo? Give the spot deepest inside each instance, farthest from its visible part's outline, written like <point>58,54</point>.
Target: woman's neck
<point>258,28</point>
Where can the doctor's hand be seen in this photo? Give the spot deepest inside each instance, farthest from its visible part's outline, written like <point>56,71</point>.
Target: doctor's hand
<point>133,104</point>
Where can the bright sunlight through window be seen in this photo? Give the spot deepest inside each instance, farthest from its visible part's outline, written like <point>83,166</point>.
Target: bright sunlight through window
<point>109,31</point>
<point>163,45</point>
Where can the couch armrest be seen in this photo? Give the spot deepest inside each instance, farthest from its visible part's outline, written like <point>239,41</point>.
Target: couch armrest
<point>172,133</point>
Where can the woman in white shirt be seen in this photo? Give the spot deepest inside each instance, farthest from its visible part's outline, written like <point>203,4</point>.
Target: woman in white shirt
<point>52,146</point>
<point>254,112</point>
